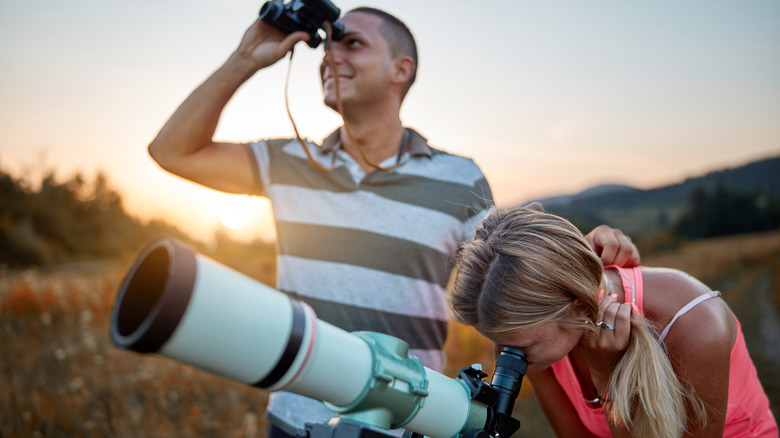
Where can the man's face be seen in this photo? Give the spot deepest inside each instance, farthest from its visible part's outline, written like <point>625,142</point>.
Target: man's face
<point>362,60</point>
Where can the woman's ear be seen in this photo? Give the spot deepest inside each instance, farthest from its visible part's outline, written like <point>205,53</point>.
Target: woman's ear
<point>580,310</point>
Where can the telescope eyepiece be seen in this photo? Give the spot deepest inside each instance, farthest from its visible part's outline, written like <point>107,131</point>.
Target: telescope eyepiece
<point>507,378</point>
<point>500,394</point>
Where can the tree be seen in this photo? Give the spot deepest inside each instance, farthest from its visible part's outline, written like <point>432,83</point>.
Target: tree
<point>726,211</point>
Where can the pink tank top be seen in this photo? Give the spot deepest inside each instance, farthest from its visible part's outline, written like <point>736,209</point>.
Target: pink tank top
<point>748,412</point>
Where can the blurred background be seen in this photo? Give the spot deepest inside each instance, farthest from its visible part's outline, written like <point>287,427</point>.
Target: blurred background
<point>547,97</point>
<point>660,119</point>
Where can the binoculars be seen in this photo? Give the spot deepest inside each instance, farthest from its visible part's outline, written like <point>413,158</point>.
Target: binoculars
<point>184,306</point>
<point>308,16</point>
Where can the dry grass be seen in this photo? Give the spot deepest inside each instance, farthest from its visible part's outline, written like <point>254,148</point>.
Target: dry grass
<point>62,377</point>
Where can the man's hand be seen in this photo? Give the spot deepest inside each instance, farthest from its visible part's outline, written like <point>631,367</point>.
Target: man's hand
<point>264,45</point>
<point>614,247</point>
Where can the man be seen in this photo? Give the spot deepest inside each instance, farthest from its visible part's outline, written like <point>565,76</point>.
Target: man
<point>369,243</point>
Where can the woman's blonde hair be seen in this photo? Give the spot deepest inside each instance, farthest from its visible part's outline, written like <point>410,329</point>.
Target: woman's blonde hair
<point>526,267</point>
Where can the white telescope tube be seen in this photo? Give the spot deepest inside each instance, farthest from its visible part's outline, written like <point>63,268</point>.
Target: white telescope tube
<point>189,308</point>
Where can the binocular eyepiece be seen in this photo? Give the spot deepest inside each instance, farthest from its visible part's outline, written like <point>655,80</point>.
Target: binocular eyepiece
<point>303,15</point>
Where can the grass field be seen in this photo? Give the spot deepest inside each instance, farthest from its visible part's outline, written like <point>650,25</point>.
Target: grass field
<point>61,377</point>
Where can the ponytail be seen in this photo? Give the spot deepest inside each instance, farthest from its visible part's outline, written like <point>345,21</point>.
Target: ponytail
<point>643,393</point>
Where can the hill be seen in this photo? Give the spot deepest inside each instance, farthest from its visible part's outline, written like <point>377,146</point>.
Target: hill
<point>59,221</point>
<point>643,213</point>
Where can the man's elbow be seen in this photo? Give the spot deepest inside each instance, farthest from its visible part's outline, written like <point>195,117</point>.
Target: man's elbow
<point>161,155</point>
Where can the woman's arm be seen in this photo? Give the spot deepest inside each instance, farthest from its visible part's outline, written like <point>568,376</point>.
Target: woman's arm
<point>699,343</point>
<point>556,406</point>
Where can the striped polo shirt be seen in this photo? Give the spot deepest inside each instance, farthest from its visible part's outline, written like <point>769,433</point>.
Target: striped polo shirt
<point>371,252</point>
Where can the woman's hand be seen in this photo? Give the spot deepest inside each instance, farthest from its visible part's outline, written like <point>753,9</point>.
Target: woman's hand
<point>603,350</point>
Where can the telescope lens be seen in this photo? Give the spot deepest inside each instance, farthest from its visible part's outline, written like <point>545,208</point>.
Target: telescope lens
<point>143,291</point>
<point>153,297</point>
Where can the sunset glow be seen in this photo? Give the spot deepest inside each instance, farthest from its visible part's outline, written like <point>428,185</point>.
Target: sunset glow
<point>547,97</point>
<point>246,214</point>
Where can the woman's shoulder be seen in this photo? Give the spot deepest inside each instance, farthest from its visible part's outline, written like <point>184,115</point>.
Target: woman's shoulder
<point>667,291</point>
<point>674,281</point>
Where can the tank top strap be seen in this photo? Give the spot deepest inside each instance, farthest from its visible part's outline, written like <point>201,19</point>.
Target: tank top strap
<point>684,310</point>
<point>633,287</point>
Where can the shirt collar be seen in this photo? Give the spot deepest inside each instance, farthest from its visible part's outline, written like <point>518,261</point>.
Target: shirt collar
<point>418,145</point>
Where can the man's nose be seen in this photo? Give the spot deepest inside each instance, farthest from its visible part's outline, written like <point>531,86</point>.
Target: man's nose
<point>335,50</point>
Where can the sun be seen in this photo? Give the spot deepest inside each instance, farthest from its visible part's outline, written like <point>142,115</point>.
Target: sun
<point>247,216</point>
<point>234,217</point>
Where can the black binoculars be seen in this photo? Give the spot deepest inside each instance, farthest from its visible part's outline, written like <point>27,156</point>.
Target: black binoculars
<point>303,15</point>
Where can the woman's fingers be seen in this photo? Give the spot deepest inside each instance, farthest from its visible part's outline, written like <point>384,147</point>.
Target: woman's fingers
<point>623,325</point>
<point>603,305</point>
<point>614,321</point>
<point>614,332</point>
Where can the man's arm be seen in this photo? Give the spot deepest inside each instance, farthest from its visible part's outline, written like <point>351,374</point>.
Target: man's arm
<point>185,145</point>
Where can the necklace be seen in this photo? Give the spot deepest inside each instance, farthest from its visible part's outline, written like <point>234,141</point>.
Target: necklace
<point>576,385</point>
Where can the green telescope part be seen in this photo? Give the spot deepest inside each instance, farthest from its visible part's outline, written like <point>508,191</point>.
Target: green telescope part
<point>184,306</point>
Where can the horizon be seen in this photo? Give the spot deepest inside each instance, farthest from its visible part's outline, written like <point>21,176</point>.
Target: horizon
<point>234,230</point>
<point>548,98</point>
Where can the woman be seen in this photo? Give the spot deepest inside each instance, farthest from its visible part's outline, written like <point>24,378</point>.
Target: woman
<point>605,358</point>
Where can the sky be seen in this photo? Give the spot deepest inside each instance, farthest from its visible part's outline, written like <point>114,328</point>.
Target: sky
<point>548,96</point>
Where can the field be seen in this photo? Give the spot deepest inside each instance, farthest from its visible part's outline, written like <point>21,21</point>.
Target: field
<point>61,377</point>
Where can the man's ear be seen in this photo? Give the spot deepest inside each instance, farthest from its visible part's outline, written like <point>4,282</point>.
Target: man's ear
<point>403,70</point>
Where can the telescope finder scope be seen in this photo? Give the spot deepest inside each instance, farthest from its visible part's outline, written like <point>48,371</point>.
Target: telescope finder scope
<point>189,308</point>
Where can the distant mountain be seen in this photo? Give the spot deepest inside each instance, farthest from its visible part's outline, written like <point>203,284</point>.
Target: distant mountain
<point>641,213</point>
<point>595,191</point>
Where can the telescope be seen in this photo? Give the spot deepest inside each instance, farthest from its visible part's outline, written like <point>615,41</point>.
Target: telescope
<point>186,307</point>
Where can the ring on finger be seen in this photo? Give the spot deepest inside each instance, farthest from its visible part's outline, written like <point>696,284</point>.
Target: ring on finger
<point>606,326</point>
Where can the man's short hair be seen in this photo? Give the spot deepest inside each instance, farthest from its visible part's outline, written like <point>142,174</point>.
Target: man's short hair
<point>398,37</point>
